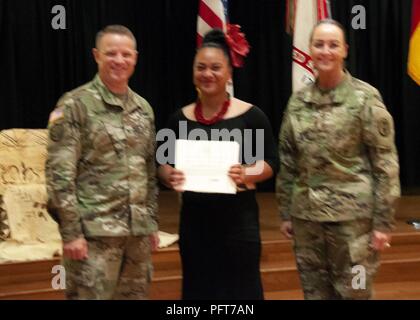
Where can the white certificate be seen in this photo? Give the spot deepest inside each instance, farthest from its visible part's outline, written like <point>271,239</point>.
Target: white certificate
<point>206,164</point>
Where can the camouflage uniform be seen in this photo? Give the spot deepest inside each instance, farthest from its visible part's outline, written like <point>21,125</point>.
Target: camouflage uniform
<point>101,185</point>
<point>339,180</point>
<point>104,276</point>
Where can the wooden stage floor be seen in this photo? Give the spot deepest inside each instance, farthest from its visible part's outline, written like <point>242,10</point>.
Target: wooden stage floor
<point>408,207</point>
<point>398,277</point>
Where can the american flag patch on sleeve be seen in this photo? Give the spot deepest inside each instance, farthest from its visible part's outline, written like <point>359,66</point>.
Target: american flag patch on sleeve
<point>56,115</point>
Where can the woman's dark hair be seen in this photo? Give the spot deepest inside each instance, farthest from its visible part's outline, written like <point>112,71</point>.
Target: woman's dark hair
<point>334,23</point>
<point>215,38</point>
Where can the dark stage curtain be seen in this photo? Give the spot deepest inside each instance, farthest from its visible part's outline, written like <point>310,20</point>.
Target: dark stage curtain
<point>38,64</point>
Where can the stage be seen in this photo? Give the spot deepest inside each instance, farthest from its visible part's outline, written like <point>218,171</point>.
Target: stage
<point>398,277</point>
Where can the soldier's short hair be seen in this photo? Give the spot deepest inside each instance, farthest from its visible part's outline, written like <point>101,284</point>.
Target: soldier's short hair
<point>115,29</point>
<point>329,21</point>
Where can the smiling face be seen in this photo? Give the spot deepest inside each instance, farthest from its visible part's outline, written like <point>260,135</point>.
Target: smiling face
<point>328,48</point>
<point>116,57</point>
<point>211,71</point>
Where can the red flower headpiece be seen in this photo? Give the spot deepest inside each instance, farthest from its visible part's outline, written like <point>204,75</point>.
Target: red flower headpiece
<point>238,45</point>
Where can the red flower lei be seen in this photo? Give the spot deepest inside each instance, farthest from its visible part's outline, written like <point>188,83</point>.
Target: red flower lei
<point>198,112</point>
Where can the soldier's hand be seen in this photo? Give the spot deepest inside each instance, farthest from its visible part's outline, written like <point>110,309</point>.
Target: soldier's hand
<point>286,229</point>
<point>154,241</point>
<point>380,240</point>
<point>76,249</point>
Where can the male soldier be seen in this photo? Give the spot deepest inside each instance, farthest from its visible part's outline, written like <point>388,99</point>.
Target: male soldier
<point>339,175</point>
<point>100,175</point>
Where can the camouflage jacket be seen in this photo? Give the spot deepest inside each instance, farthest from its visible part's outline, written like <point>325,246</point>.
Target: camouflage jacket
<point>338,156</point>
<point>100,169</point>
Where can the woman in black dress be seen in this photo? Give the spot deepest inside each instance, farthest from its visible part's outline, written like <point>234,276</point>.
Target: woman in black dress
<point>220,241</point>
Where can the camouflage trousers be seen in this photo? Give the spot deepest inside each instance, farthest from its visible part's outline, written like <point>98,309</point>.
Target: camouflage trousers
<point>334,259</point>
<point>117,268</point>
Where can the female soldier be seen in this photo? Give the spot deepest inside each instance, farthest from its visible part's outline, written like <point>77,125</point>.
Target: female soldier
<point>339,174</point>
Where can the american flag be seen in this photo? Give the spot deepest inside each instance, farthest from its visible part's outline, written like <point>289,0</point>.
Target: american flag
<point>211,14</point>
<point>301,17</point>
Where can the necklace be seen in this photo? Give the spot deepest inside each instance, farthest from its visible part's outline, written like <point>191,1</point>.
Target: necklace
<point>198,112</point>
